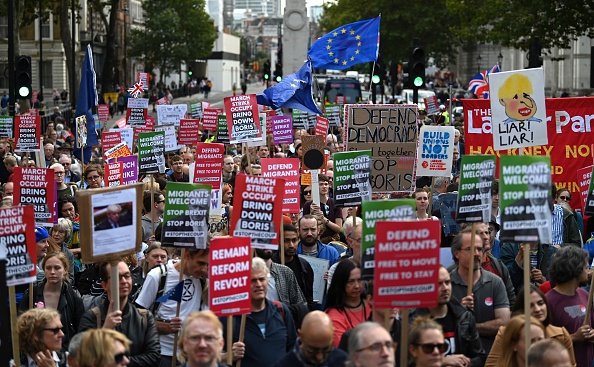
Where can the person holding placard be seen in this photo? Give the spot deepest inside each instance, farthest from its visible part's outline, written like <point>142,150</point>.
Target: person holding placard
<point>40,338</point>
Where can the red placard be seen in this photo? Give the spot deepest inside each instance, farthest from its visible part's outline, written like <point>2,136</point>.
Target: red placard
<point>37,187</point>
<point>431,105</point>
<point>162,101</point>
<point>110,139</point>
<point>27,133</point>
<point>583,178</point>
<point>188,131</point>
<point>569,124</point>
<point>229,276</point>
<point>148,127</point>
<point>288,170</point>
<point>209,164</point>
<point>269,114</point>
<point>406,264</point>
<point>103,112</point>
<point>243,118</point>
<point>256,212</point>
<point>321,126</point>
<point>18,235</point>
<point>340,100</point>
<point>210,118</point>
<point>113,174</point>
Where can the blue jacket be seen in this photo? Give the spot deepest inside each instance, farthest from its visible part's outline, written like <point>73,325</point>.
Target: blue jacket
<point>516,273</point>
<point>324,252</point>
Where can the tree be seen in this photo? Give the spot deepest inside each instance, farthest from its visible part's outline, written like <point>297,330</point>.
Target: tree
<point>176,32</point>
<point>514,23</point>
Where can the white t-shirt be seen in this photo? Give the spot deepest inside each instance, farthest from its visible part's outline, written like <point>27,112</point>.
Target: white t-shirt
<point>191,298</point>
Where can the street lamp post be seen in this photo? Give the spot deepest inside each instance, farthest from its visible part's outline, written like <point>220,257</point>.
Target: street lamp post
<point>478,63</point>
<point>500,60</point>
<point>40,95</point>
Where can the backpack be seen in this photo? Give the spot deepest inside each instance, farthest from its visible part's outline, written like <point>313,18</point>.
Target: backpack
<point>97,313</point>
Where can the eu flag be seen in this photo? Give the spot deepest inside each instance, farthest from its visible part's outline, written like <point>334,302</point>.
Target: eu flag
<point>87,99</point>
<point>294,91</point>
<point>348,45</point>
<point>174,293</point>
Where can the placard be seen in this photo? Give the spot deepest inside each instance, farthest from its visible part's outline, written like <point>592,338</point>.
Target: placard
<point>431,105</point>
<point>477,174</point>
<point>129,168</point>
<point>81,131</point>
<point>108,216</point>
<point>288,170</point>
<point>171,114</point>
<point>300,119</point>
<point>435,151</point>
<point>407,264</point>
<point>103,112</point>
<point>18,244</point>
<point>313,151</point>
<point>222,130</point>
<point>151,148</point>
<point>209,164</point>
<point>374,211</point>
<point>584,178</point>
<point>229,276</point>
<point>185,220</point>
<point>37,187</point>
<point>6,126</point>
<point>170,137</point>
<point>127,135</point>
<point>196,110</point>
<point>242,118</point>
<point>188,131</point>
<point>113,174</point>
<point>210,118</point>
<point>255,214</point>
<point>333,114</point>
<point>352,178</point>
<point>119,150</point>
<point>321,126</point>
<point>110,139</point>
<point>525,197</point>
<point>282,129</point>
<point>27,133</point>
<point>137,111</point>
<point>390,132</point>
<point>319,267</point>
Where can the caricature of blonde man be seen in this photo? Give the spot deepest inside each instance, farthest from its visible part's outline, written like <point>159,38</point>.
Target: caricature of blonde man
<point>514,95</point>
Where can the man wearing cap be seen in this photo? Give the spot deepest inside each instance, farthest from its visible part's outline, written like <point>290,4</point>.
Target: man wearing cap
<point>66,162</point>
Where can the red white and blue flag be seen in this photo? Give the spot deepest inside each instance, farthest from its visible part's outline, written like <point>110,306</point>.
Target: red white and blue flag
<point>479,84</point>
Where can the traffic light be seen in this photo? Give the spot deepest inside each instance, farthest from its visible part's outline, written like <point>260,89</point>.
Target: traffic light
<point>23,77</point>
<point>535,54</point>
<point>190,72</point>
<point>278,72</point>
<point>267,70</point>
<point>417,66</point>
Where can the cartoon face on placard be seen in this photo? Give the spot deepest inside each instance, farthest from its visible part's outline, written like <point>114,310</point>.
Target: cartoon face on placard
<point>518,112</point>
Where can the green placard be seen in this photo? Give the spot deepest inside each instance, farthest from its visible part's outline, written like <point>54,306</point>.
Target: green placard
<point>222,130</point>
<point>477,174</point>
<point>352,178</point>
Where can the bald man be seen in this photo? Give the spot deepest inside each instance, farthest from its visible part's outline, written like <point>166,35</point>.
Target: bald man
<point>548,353</point>
<point>314,346</point>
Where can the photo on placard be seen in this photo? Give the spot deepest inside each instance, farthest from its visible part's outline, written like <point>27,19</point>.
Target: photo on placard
<point>112,216</point>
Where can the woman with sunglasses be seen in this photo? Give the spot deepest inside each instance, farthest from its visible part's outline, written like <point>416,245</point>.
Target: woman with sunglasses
<point>40,338</point>
<point>563,198</point>
<point>55,293</point>
<point>513,339</point>
<point>305,194</point>
<point>427,345</point>
<point>422,202</point>
<point>540,310</point>
<point>103,348</point>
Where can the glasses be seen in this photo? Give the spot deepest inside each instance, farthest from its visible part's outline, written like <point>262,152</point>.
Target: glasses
<point>197,339</point>
<point>479,249</point>
<point>563,197</point>
<point>93,178</point>
<point>159,201</point>
<point>316,351</point>
<point>55,330</point>
<point>306,192</point>
<point>122,276</point>
<point>379,346</point>
<point>429,348</point>
<point>119,358</point>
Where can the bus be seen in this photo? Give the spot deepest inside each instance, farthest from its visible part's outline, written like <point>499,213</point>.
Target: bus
<point>342,87</point>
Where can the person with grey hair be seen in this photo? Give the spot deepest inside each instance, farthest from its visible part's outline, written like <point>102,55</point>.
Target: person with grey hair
<point>114,218</point>
<point>370,345</point>
<point>69,175</point>
<point>73,348</point>
<point>269,328</point>
<point>569,271</point>
<point>548,353</point>
<point>61,232</point>
<point>62,188</point>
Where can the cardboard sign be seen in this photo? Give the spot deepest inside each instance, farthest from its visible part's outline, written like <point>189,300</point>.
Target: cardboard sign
<point>431,105</point>
<point>151,149</point>
<point>188,131</point>
<point>352,179</point>
<point>525,194</point>
<point>518,111</point>
<point>27,133</point>
<point>242,117</point>
<point>584,178</point>
<point>119,150</point>
<point>137,111</point>
<point>333,114</point>
<point>375,211</point>
<point>113,174</point>
<point>321,126</point>
<point>288,170</point>
<point>129,168</point>
<point>229,276</point>
<point>282,129</point>
<point>185,220</point>
<point>319,267</point>
<point>407,264</point>
<point>255,214</point>
<point>171,114</point>
<point>209,164</point>
<point>170,137</point>
<point>435,151</point>
<point>6,127</point>
<point>222,130</point>
<point>313,151</point>
<point>37,187</point>
<point>110,139</point>
<point>477,174</point>
<point>390,132</point>
<point>18,244</point>
<point>210,118</point>
<point>109,216</point>
<point>103,111</point>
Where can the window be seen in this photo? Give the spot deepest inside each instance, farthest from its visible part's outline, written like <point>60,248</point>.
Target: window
<point>3,79</point>
<point>46,27</point>
<point>3,27</point>
<point>47,74</point>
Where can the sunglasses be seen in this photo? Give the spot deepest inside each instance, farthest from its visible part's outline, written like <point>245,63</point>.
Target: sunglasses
<point>55,330</point>
<point>563,197</point>
<point>119,358</point>
<point>429,348</point>
<point>306,192</point>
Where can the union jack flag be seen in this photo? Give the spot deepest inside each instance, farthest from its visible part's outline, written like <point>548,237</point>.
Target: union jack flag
<point>478,84</point>
<point>136,89</point>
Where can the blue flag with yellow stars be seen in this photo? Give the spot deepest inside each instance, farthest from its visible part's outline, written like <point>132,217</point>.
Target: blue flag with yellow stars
<point>294,91</point>
<point>347,45</point>
<point>174,293</point>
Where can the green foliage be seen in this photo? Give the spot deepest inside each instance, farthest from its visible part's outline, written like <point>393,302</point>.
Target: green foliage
<point>177,31</point>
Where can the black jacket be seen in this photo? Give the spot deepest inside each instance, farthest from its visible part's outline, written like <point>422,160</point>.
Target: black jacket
<point>145,349</point>
<point>305,280</point>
